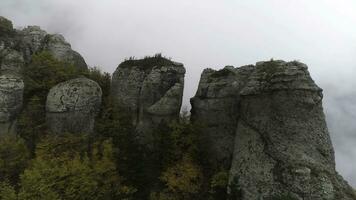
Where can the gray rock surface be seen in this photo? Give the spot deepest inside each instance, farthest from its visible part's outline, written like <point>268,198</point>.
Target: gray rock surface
<point>61,50</point>
<point>215,108</point>
<point>150,90</point>
<point>20,45</point>
<point>282,144</point>
<point>11,95</point>
<point>72,106</point>
<point>16,50</point>
<point>32,39</point>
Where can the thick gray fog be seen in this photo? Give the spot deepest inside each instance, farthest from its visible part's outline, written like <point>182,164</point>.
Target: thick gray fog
<point>215,33</point>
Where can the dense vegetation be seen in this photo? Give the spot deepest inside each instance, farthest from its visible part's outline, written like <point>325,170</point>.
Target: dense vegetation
<point>108,164</point>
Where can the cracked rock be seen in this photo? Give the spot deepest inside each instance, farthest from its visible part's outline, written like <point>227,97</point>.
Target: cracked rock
<point>215,107</point>
<point>11,96</point>
<point>72,106</point>
<point>151,90</point>
<point>282,144</point>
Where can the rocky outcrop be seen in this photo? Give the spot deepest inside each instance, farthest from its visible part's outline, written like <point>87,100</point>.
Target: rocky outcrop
<point>151,90</point>
<point>61,50</point>
<point>11,94</point>
<point>72,106</point>
<point>16,50</point>
<point>216,108</point>
<point>18,46</point>
<point>32,40</point>
<point>282,144</point>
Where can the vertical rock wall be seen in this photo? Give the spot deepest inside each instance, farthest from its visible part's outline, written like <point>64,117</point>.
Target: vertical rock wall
<point>216,108</point>
<point>151,92</point>
<point>282,148</point>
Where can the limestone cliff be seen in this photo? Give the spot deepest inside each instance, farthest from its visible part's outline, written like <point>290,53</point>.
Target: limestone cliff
<point>282,147</point>
<point>151,90</point>
<point>282,144</point>
<point>11,94</point>
<point>215,107</point>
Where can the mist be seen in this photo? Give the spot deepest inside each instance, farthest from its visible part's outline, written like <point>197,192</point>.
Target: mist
<point>210,33</point>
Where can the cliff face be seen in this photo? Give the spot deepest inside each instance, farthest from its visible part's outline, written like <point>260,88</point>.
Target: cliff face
<point>151,90</point>
<point>216,107</point>
<point>282,147</point>
<point>72,106</point>
<point>11,94</point>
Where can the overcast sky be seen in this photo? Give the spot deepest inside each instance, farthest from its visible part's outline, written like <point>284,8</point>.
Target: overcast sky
<point>215,33</point>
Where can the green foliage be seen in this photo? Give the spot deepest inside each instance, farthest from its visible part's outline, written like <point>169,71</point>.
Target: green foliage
<point>218,185</point>
<point>102,78</point>
<point>146,63</point>
<point>31,122</point>
<point>44,72</point>
<point>7,192</point>
<point>235,189</point>
<point>283,197</point>
<point>13,158</point>
<point>72,174</point>
<point>184,179</point>
<point>270,68</point>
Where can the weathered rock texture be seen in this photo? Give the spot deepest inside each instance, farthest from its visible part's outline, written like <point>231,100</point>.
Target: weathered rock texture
<point>72,106</point>
<point>151,90</point>
<point>216,107</point>
<point>282,146</point>
<point>11,94</point>
<point>18,46</point>
<point>16,50</point>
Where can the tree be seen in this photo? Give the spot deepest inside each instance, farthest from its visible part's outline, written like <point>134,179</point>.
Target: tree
<point>7,192</point>
<point>62,169</point>
<point>183,180</point>
<point>14,157</point>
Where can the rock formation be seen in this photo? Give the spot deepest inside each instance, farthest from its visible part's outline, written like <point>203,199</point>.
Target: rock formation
<point>18,46</point>
<point>72,106</point>
<point>282,146</point>
<point>151,89</point>
<point>11,94</point>
<point>215,108</point>
<point>16,50</point>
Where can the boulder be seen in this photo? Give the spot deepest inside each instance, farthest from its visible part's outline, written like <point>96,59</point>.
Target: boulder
<point>282,145</point>
<point>11,96</point>
<point>72,106</point>
<point>151,90</point>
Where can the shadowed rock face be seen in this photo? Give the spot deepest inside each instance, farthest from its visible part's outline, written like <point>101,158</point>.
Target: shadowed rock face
<point>72,106</point>
<point>215,107</point>
<point>11,94</point>
<point>282,144</point>
<point>150,90</point>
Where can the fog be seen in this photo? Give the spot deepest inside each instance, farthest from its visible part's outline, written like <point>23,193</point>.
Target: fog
<point>212,33</point>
